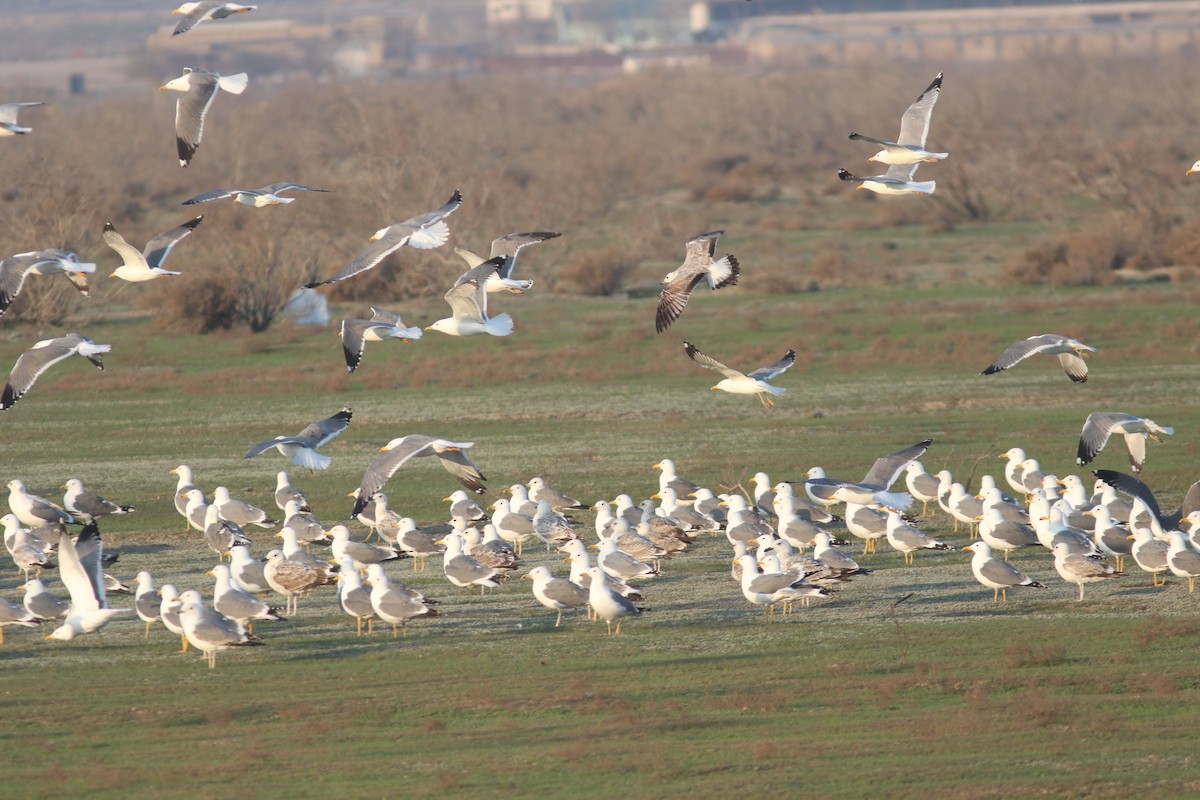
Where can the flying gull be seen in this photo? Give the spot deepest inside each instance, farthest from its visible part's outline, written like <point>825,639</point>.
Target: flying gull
<point>875,485</point>
<point>698,265</point>
<point>255,198</point>
<point>506,247</point>
<point>897,180</point>
<point>194,13</point>
<point>14,269</point>
<point>147,264</point>
<point>909,147</point>
<point>44,355</point>
<point>1070,352</point>
<point>736,382</point>
<point>423,232</point>
<point>398,451</point>
<point>81,571</point>
<point>1136,488</point>
<point>468,305</point>
<point>382,325</point>
<point>200,89</point>
<point>302,448</point>
<point>1100,425</point>
<point>8,118</point>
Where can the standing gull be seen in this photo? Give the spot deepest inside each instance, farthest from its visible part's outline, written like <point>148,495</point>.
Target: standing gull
<point>468,306</point>
<point>182,487</point>
<point>88,505</point>
<point>1100,425</point>
<point>200,88</point>
<point>909,147</point>
<point>14,270</point>
<point>147,602</point>
<point>698,265</point>
<point>1070,352</point>
<point>353,597</point>
<point>44,355</point>
<point>397,453</point>
<point>147,264</point>
<point>1181,560</point>
<point>1079,569</point>
<point>556,594</point>
<point>382,325</point>
<point>8,118</point>
<point>194,13</point>
<point>239,511</point>
<point>423,232</point>
<point>13,614</point>
<point>39,602</point>
<point>736,382</point>
<point>995,574</point>
<point>302,448</point>
<point>506,247</point>
<point>255,198</point>
<point>33,510</point>
<point>209,630</point>
<point>236,603</point>
<point>395,605</point>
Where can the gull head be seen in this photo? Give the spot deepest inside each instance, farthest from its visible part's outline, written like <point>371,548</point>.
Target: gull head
<point>1194,168</point>
<point>180,84</point>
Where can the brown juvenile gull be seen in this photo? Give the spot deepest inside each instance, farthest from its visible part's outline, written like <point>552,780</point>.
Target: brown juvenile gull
<point>909,147</point>
<point>146,264</point>
<point>506,247</point>
<point>194,13</point>
<point>292,579</point>
<point>698,265</point>
<point>995,574</point>
<point>1100,425</point>
<point>382,325</point>
<point>8,118</point>
<point>400,450</point>
<point>255,198</point>
<point>736,382</point>
<point>200,89</point>
<point>302,448</point>
<point>1070,352</point>
<point>41,357</point>
<point>14,270</point>
<point>423,232</point>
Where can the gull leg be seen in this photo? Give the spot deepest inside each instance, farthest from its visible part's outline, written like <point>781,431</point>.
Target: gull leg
<point>557,621</point>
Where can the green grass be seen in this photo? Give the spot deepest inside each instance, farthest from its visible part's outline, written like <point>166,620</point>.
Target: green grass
<point>943,692</point>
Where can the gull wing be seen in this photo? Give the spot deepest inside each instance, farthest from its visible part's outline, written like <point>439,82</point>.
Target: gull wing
<point>674,296</point>
<point>428,229</point>
<point>158,248</point>
<point>1017,352</point>
<point>40,358</point>
<point>702,246</point>
<point>215,194</point>
<point>395,238</point>
<point>128,253</point>
<point>86,593</point>
<point>1096,430</point>
<point>8,111</point>
<point>900,172</point>
<point>468,296</point>
<point>320,432</point>
<point>284,186</point>
<point>771,370</point>
<point>887,468</point>
<point>914,125</point>
<point>708,362</point>
<point>385,465</point>
<point>510,244</point>
<point>190,111</point>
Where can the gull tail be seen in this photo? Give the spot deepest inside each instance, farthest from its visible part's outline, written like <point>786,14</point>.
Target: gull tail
<point>234,84</point>
<point>430,237</point>
<point>897,500</point>
<point>311,459</point>
<point>924,187</point>
<point>500,325</point>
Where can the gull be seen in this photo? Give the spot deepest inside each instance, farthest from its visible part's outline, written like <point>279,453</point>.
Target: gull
<point>14,270</point>
<point>907,539</point>
<point>361,554</point>
<point>468,306</point>
<point>393,604</point>
<point>736,382</point>
<point>79,567</point>
<point>284,491</point>
<point>540,490</point>
<point>255,198</point>
<point>147,602</point>
<point>247,571</point>
<point>921,484</point>
<point>1002,534</point>
<point>353,597</point>
<point>866,523</point>
<point>489,548</point>
<point>423,232</point>
<point>897,180</point>
<point>606,602</point>
<point>875,485</point>
<point>302,448</point>
<point>221,534</point>
<point>556,594</point>
<point>147,264</point>
<point>1099,425</point>
<point>620,564</point>
<point>208,630</point>
<point>698,265</point>
<point>520,502</point>
<point>669,477</point>
<point>1070,352</point>
<point>1181,560</point>
<point>1014,469</point>
<point>236,603</point>
<point>1134,487</point>
<point>462,570</point>
<point>833,558</point>
<point>200,89</point>
<point>182,487</point>
<point>32,510</point>
<point>41,357</point>
<point>240,512</point>
<point>768,588</point>
<point>909,147</point>
<point>39,602</point>
<point>506,247</point>
<point>1080,569</point>
<point>27,555</point>
<point>293,579</point>
<point>168,613</point>
<point>550,526</point>
<point>196,12</point>
<point>13,614</point>
<point>400,450</point>
<point>461,505</point>
<point>1150,554</point>
<point>1110,537</point>
<point>8,118</point>
<point>417,544</point>
<point>382,325</point>
<point>997,575</point>
<point>308,528</point>
<point>196,511</point>
<point>688,518</point>
<point>87,505</point>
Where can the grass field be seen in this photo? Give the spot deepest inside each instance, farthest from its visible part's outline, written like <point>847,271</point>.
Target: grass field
<point>943,692</point>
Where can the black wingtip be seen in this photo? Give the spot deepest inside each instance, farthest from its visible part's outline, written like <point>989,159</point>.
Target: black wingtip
<point>108,226</point>
<point>992,369</point>
<point>192,223</point>
<point>846,176</point>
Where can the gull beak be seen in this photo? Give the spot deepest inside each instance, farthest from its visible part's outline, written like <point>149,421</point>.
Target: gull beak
<point>162,88</point>
<point>1190,171</point>
<point>210,572</point>
<point>860,186</point>
<point>440,541</point>
<point>445,499</point>
<point>383,449</point>
<point>968,547</point>
<point>526,575</point>
<point>428,327</point>
<point>712,387</point>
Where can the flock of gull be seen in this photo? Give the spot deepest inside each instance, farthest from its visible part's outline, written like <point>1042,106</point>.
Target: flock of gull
<point>788,541</point>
